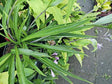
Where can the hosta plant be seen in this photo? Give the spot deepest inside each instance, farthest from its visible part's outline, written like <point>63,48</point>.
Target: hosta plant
<point>43,34</point>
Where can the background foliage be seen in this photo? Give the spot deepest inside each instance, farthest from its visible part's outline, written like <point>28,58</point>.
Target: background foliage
<point>38,28</point>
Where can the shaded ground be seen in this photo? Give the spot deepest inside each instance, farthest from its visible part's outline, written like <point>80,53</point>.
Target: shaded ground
<point>96,68</point>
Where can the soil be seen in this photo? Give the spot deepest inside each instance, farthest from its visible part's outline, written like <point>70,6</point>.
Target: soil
<point>2,39</point>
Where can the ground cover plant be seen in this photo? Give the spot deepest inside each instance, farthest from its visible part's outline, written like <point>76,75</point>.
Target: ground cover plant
<point>43,34</point>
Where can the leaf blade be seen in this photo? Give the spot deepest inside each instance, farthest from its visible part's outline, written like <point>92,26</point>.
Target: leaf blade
<point>11,71</point>
<point>30,52</point>
<point>3,44</point>
<point>58,48</point>
<point>53,30</point>
<point>104,20</point>
<point>19,66</point>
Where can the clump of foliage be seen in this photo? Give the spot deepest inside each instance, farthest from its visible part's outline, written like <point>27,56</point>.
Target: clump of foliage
<point>43,35</point>
<point>103,5</point>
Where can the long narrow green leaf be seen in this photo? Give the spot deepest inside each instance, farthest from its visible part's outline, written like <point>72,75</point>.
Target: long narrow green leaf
<point>74,35</point>
<point>58,48</point>
<point>66,78</point>
<point>4,66</point>
<point>35,67</point>
<point>58,68</point>
<point>21,27</point>
<point>3,44</point>
<point>28,82</point>
<point>53,30</point>
<point>1,9</point>
<point>11,70</point>
<point>2,35</point>
<point>19,67</point>
<point>34,53</point>
<point>4,58</point>
<point>63,76</point>
<point>15,22</point>
<point>6,9</point>
<point>5,14</point>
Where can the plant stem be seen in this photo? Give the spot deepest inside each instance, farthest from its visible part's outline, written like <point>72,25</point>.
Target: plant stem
<point>39,39</point>
<point>36,19</point>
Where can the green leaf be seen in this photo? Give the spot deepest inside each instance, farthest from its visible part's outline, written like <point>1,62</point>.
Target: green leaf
<point>21,27</point>
<point>15,23</point>
<point>55,2</point>
<point>4,78</point>
<point>2,35</point>
<point>53,30</point>
<point>74,35</point>
<point>69,8</point>
<point>28,71</point>
<point>65,77</point>
<point>38,6</point>
<point>79,58</point>
<point>4,66</point>
<point>57,13</point>
<point>58,48</point>
<point>11,71</point>
<point>35,67</point>
<point>3,44</point>
<point>104,20</point>
<point>54,66</point>
<point>19,67</point>
<point>4,58</point>
<point>32,53</point>
<point>19,2</point>
<point>5,14</point>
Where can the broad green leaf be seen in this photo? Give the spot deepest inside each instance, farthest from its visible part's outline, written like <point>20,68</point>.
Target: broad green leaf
<point>53,30</point>
<point>82,43</point>
<point>32,53</point>
<point>4,58</point>
<point>58,48</point>
<point>38,7</point>
<point>104,20</point>
<point>3,44</point>
<point>11,70</point>
<point>69,8</point>
<point>35,67</point>
<point>54,66</point>
<point>55,2</point>
<point>19,67</point>
<point>4,78</point>
<point>57,13</point>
